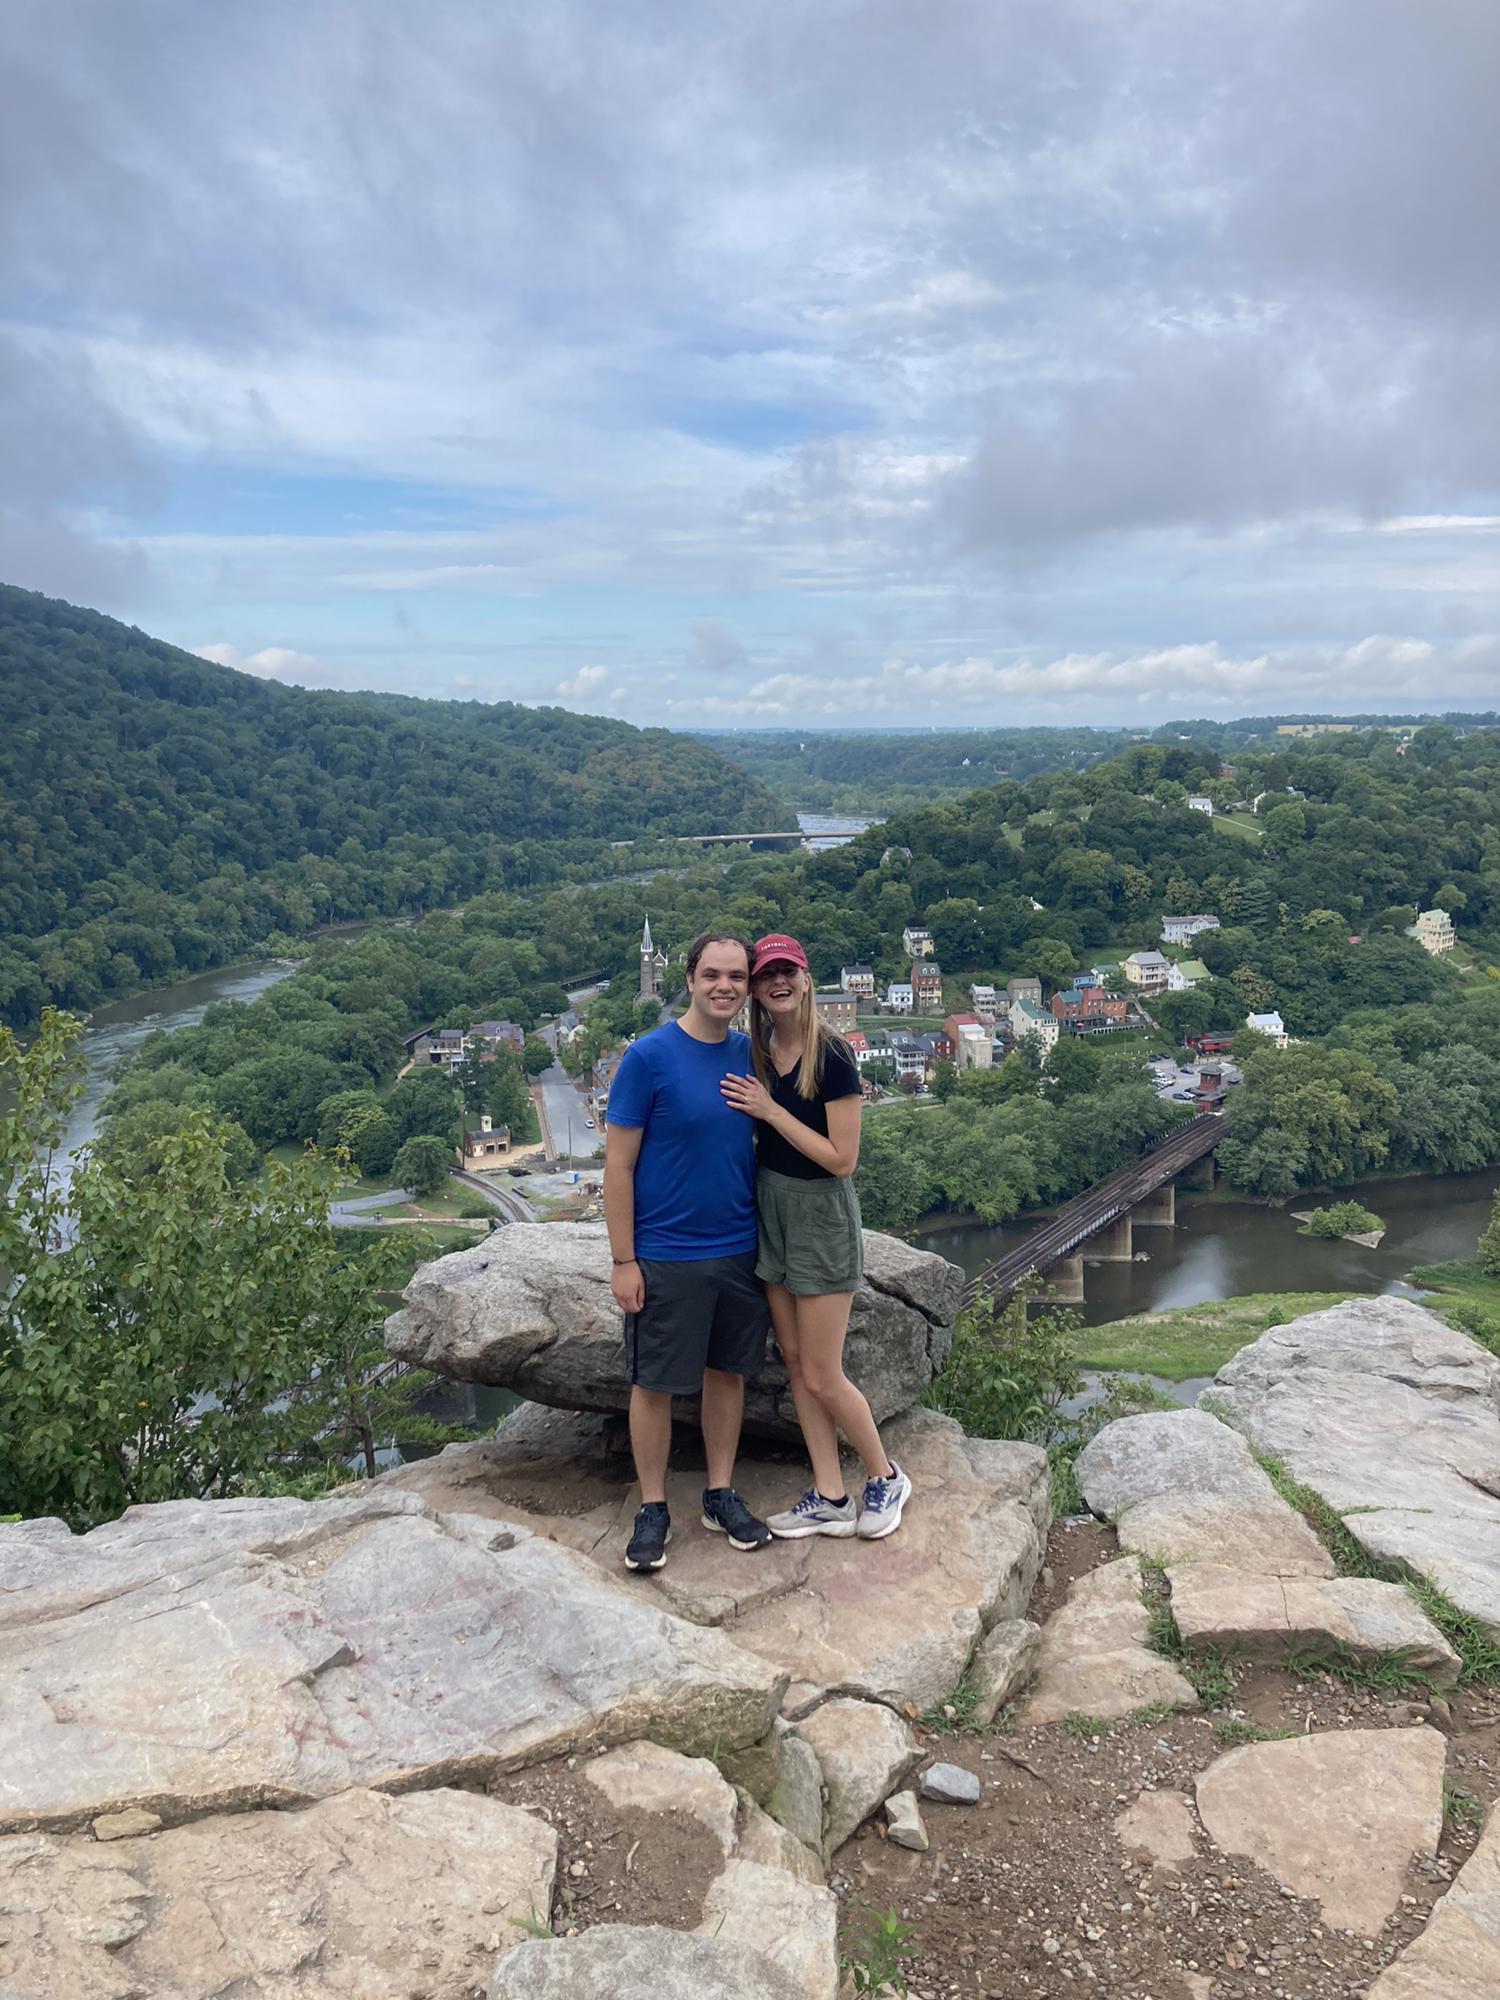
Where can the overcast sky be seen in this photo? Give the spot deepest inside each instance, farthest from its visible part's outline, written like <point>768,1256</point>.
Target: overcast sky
<point>710,363</point>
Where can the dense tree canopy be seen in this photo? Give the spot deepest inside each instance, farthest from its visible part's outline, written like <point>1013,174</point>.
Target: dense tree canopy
<point>159,814</point>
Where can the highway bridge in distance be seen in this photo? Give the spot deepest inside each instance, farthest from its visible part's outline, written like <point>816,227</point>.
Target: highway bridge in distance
<point>1100,1222</point>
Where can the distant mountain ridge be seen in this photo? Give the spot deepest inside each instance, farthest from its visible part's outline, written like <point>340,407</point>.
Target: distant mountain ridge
<point>159,814</point>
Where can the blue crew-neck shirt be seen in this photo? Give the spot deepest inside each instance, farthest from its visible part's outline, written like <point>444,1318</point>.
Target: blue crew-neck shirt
<point>695,1176</point>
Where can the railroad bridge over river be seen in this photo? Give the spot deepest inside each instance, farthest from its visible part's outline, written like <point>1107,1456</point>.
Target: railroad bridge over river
<point>1101,1222</point>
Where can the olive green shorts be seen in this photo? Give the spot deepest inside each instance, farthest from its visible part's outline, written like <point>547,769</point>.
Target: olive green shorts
<point>810,1238</point>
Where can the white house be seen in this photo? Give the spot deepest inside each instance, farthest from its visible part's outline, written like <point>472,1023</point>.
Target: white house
<point>1182,930</point>
<point>898,997</point>
<point>1028,1019</point>
<point>1433,931</point>
<point>858,979</point>
<point>1146,969</point>
<point>975,1046</point>
<point>1270,1025</point>
<point>1178,980</point>
<point>1199,804</point>
<point>916,941</point>
<point>986,1003</point>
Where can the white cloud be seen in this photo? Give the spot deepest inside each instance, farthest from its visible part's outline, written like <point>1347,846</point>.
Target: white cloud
<point>271,663</point>
<point>1101,687</point>
<point>585,683</point>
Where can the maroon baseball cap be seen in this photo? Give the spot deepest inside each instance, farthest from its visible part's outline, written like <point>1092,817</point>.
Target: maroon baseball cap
<point>776,946</point>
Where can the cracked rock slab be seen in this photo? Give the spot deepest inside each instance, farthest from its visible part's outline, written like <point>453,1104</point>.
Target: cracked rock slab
<point>865,1751</point>
<point>361,1894</point>
<point>288,1650</point>
<point>649,1779</point>
<point>625,1961</point>
<point>531,1310</point>
<point>966,1555</point>
<point>1457,1957</point>
<point>1182,1487</point>
<point>1267,1617</point>
<point>1335,1818</point>
<point>1095,1658</point>
<point>1377,1405</point>
<point>791,1922</point>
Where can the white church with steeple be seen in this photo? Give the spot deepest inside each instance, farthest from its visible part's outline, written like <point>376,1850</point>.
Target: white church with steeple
<point>653,966</point>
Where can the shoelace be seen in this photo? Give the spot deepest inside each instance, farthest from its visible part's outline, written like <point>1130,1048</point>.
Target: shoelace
<point>876,1491</point>
<point>808,1504</point>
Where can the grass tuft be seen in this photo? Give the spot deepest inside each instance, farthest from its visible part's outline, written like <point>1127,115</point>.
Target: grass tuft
<point>1379,1673</point>
<point>955,1714</point>
<point>1086,1728</point>
<point>1233,1732</point>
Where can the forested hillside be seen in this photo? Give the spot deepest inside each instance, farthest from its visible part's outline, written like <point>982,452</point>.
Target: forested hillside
<point>881,771</point>
<point>159,814</point>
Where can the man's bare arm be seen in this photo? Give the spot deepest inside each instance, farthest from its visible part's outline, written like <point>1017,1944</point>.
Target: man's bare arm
<point>622,1147</point>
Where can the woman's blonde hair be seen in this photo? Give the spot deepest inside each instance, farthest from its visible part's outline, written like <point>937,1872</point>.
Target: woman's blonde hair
<point>816,1039</point>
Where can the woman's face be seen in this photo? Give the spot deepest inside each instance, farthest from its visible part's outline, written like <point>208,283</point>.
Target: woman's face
<point>778,988</point>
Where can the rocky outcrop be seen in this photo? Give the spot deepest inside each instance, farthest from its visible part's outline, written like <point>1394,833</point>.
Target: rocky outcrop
<point>1096,1658</point>
<point>1245,1570</point>
<point>200,1657</point>
<point>1181,1487</point>
<point>1336,1817</point>
<point>824,1612</point>
<point>1393,1419</point>
<point>531,1310</point>
<point>360,1894</point>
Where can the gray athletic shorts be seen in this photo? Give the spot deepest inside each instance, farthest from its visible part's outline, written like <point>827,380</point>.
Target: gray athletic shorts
<point>710,1313</point>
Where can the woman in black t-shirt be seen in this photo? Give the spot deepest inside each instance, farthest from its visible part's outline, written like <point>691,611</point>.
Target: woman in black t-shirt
<point>805,1095</point>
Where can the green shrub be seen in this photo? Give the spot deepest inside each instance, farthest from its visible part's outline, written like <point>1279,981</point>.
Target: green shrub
<point>1341,1218</point>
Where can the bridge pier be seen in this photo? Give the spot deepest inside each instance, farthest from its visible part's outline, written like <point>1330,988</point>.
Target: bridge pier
<point>1158,1210</point>
<point>1112,1244</point>
<point>1200,1173</point>
<point>1063,1283</point>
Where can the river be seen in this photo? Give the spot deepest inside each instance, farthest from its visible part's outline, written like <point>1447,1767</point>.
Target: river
<point>1222,1247</point>
<point>115,1032</point>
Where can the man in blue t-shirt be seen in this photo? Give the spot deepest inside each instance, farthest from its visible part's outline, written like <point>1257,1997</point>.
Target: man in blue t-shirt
<point>679,1200</point>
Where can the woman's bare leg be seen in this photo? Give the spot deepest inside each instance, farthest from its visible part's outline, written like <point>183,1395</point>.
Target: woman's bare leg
<point>822,1324</point>
<point>818,1431</point>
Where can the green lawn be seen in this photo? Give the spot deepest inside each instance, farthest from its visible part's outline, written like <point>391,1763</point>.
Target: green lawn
<point>1467,1278</point>
<point>1242,825</point>
<point>1194,1340</point>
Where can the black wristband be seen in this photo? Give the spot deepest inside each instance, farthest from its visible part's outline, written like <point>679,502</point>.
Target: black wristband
<point>622,1260</point>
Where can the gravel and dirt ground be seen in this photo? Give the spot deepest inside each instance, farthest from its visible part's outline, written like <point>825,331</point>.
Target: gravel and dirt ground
<point>1031,1893</point>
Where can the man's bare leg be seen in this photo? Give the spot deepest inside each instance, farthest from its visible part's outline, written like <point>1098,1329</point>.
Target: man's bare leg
<point>723,1412</point>
<point>651,1438</point>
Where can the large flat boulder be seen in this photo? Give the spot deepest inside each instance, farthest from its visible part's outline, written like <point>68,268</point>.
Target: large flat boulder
<point>1393,1418</point>
<point>1337,1818</point>
<point>360,1894</point>
<point>1182,1487</point>
<point>895,1620</point>
<point>201,1656</point>
<point>1267,1618</point>
<point>531,1310</point>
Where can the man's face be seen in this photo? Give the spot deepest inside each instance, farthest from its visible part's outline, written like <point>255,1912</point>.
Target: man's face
<point>718,985</point>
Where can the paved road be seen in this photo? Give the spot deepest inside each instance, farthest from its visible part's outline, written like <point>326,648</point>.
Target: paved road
<point>344,1211</point>
<point>566,1112</point>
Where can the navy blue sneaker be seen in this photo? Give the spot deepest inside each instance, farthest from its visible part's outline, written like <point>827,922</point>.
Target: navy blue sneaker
<point>647,1547</point>
<point>725,1513</point>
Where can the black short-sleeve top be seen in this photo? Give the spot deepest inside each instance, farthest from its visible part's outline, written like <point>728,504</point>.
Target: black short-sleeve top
<point>840,1079</point>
